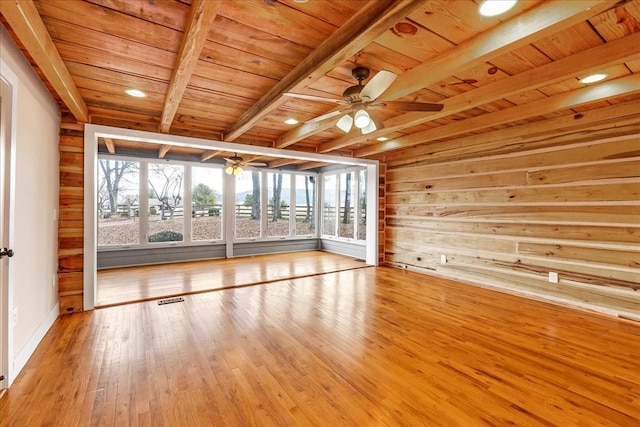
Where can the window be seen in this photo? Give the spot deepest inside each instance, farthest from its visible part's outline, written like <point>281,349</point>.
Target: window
<point>278,204</point>
<point>345,205</point>
<point>362,205</point>
<point>248,205</point>
<point>166,208</point>
<point>206,201</point>
<point>305,210</point>
<point>118,197</point>
<point>151,203</point>
<point>329,205</point>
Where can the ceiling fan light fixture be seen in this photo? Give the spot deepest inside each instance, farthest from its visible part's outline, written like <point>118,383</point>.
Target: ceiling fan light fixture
<point>371,127</point>
<point>233,170</point>
<point>345,123</point>
<point>362,119</point>
<point>495,7</point>
<point>593,78</point>
<point>376,124</point>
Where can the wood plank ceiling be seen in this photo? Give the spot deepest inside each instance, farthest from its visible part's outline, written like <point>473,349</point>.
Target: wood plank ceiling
<point>218,69</point>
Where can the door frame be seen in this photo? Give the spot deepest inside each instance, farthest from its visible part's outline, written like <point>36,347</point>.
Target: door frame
<point>93,132</point>
<point>8,123</point>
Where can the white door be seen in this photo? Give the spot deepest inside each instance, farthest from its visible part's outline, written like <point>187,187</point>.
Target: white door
<point>5,226</point>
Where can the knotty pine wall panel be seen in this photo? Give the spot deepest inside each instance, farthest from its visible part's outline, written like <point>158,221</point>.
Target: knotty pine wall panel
<point>506,218</point>
<point>382,189</point>
<point>70,219</point>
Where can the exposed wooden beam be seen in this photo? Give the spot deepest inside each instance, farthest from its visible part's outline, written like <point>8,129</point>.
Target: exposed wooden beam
<point>164,149</point>
<point>605,55</point>
<point>564,101</point>
<point>310,165</point>
<point>373,19</point>
<point>541,21</point>
<point>111,146</point>
<point>283,162</point>
<point>209,154</point>
<point>304,131</point>
<point>202,14</point>
<point>27,24</point>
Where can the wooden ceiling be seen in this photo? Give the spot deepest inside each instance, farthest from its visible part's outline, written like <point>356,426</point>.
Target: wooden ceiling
<point>218,69</point>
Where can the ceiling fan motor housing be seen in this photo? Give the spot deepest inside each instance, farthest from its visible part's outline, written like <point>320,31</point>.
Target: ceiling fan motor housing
<point>352,94</point>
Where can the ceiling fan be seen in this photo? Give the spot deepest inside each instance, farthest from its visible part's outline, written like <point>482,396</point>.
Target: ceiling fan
<point>235,164</point>
<point>359,99</point>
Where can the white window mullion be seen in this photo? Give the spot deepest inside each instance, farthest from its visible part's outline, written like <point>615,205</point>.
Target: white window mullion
<point>336,232</point>
<point>143,204</point>
<point>356,205</point>
<point>188,207</point>
<point>264,203</point>
<point>229,212</point>
<point>293,205</point>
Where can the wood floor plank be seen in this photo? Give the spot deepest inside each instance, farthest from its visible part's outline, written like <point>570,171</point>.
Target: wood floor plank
<point>141,283</point>
<point>362,347</point>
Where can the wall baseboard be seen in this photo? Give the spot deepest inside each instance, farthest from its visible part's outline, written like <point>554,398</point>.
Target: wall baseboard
<point>21,359</point>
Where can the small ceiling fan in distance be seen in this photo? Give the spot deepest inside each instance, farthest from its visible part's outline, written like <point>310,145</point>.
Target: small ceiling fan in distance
<point>235,164</point>
<point>359,100</point>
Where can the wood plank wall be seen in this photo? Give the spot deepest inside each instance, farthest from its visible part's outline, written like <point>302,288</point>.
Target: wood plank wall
<point>70,220</point>
<point>508,215</point>
<point>382,194</point>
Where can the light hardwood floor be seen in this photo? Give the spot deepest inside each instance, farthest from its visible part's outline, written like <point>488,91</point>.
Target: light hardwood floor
<point>363,347</point>
<point>119,285</point>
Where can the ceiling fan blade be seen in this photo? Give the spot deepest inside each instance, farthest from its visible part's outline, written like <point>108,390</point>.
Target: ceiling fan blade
<point>313,98</point>
<point>412,106</point>
<point>256,164</point>
<point>327,115</point>
<point>378,84</point>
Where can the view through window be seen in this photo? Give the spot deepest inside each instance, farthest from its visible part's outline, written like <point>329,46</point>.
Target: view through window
<point>344,205</point>
<point>267,204</point>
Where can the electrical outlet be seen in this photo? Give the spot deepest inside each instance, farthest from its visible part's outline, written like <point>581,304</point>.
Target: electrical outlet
<point>443,259</point>
<point>553,277</point>
<point>55,215</point>
<point>14,316</point>
<point>54,280</point>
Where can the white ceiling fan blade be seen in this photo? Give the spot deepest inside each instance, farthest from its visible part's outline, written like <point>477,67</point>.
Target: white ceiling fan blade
<point>313,98</point>
<point>345,123</point>
<point>412,106</point>
<point>326,116</point>
<point>256,164</point>
<point>377,85</point>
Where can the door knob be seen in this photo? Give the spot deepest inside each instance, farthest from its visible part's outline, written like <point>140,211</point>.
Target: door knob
<point>6,252</point>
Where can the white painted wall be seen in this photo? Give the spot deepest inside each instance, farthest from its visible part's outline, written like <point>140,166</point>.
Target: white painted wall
<point>33,290</point>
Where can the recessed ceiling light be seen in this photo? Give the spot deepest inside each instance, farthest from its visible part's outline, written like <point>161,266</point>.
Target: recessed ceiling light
<point>592,78</point>
<point>291,121</point>
<point>300,1</point>
<point>136,93</point>
<point>495,7</point>
<point>382,138</point>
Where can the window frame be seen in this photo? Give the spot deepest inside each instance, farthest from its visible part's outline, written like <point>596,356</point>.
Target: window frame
<point>355,203</point>
<point>228,213</point>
